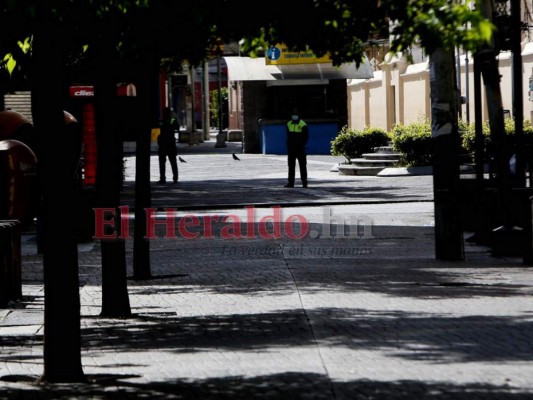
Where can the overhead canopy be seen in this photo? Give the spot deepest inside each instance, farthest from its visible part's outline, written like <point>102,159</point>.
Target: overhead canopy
<point>255,69</point>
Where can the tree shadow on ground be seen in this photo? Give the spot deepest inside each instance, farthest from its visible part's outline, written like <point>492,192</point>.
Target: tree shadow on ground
<point>284,386</point>
<point>392,260</point>
<point>227,192</point>
<point>436,338</point>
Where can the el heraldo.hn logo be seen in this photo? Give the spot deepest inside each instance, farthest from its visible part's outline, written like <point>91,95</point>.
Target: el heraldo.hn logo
<point>168,224</point>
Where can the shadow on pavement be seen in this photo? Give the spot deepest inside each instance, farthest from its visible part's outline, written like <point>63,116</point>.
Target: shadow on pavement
<point>284,386</point>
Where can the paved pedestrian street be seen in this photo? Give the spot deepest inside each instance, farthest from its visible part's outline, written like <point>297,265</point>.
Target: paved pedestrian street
<point>357,308</point>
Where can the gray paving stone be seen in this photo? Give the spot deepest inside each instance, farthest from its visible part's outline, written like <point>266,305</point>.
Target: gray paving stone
<point>373,317</point>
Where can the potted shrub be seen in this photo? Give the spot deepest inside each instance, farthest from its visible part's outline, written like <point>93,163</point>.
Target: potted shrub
<point>353,143</point>
<point>413,142</point>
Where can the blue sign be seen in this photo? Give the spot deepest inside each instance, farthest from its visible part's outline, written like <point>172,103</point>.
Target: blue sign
<point>273,53</point>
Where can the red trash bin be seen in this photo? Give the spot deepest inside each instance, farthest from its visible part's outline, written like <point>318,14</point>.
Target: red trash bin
<point>18,182</point>
<point>14,125</point>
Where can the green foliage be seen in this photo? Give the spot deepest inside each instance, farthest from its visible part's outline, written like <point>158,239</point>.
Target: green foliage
<point>9,60</point>
<point>437,23</point>
<point>337,28</point>
<point>527,132</point>
<point>340,28</point>
<point>467,133</point>
<point>214,106</point>
<point>10,63</point>
<point>413,142</point>
<point>527,127</point>
<point>352,143</point>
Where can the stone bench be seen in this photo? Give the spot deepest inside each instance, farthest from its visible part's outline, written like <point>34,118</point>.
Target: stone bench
<point>234,135</point>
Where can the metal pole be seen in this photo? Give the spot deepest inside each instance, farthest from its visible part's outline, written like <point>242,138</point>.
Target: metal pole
<point>205,103</point>
<point>478,123</point>
<point>219,77</point>
<point>192,135</point>
<point>458,74</point>
<point>221,140</point>
<point>518,101</point>
<point>467,87</point>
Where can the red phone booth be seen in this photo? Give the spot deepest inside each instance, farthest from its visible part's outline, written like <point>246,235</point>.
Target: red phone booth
<point>82,97</point>
<point>85,94</point>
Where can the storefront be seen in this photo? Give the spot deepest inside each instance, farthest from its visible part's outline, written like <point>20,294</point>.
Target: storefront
<point>263,93</point>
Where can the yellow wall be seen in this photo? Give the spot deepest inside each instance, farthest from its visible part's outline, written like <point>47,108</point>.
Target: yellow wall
<point>400,94</point>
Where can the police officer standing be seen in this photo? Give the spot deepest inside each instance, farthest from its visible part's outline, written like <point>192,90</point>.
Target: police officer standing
<point>166,142</point>
<point>297,136</point>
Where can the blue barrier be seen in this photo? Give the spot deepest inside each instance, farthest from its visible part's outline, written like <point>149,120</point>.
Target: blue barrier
<point>272,136</point>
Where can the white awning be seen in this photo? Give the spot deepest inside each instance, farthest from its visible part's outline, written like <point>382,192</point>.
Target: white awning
<point>255,69</point>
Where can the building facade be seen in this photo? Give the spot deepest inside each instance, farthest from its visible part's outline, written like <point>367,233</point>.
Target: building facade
<point>399,93</point>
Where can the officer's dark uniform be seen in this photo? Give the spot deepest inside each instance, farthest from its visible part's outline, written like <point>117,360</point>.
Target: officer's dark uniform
<point>297,136</point>
<point>166,142</point>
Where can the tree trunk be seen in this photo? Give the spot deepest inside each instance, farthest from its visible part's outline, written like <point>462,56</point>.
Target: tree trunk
<point>491,80</point>
<point>445,137</point>
<point>115,300</point>
<point>147,92</point>
<point>62,332</point>
<point>487,59</point>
